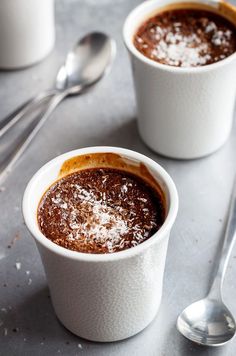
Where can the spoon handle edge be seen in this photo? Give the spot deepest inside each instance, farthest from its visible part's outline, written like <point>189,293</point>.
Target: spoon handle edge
<point>228,243</point>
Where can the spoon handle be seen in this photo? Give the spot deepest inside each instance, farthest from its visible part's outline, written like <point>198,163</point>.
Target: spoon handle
<point>9,121</point>
<point>29,134</point>
<point>229,240</point>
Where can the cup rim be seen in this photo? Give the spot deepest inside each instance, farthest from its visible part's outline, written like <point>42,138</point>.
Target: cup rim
<point>32,225</point>
<point>147,6</point>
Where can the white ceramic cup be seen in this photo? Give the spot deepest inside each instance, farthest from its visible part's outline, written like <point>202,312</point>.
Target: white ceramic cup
<point>104,297</point>
<point>182,112</point>
<point>27,32</point>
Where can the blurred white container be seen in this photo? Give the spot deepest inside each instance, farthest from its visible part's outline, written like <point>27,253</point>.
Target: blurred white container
<point>27,32</point>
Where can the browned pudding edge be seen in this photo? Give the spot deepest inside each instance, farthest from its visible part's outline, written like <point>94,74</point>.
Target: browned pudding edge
<point>222,8</point>
<point>111,160</point>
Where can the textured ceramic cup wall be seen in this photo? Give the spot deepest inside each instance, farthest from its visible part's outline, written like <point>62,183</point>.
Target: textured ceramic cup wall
<point>27,32</point>
<point>104,297</point>
<point>182,112</point>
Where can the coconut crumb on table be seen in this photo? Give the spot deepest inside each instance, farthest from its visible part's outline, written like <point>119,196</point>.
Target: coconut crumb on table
<point>29,281</point>
<point>18,265</point>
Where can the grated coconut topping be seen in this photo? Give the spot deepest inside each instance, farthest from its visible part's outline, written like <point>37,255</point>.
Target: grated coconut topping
<point>109,215</point>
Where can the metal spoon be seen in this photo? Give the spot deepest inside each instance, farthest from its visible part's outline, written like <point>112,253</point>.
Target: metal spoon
<point>208,321</point>
<point>85,65</point>
<point>88,61</point>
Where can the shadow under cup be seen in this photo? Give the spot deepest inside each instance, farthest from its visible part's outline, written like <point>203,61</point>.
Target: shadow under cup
<point>182,112</point>
<point>105,297</point>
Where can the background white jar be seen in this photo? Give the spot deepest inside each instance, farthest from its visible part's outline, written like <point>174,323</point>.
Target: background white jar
<point>27,32</point>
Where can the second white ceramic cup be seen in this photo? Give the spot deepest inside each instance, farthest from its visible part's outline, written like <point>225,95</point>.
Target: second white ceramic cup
<point>27,32</point>
<point>182,112</point>
<point>103,297</point>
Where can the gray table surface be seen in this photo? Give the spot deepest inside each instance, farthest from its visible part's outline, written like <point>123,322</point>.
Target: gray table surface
<point>106,116</point>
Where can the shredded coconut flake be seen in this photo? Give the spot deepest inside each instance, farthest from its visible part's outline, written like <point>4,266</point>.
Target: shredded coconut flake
<point>18,266</point>
<point>192,40</point>
<point>92,216</point>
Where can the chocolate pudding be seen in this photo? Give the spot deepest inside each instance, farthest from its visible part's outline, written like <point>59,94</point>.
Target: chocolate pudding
<point>186,37</point>
<point>100,210</point>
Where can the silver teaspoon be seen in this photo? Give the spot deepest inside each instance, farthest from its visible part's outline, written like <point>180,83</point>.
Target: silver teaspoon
<point>208,321</point>
<point>85,65</point>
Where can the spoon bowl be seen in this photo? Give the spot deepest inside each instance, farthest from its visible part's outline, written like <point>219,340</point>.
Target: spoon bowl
<point>207,322</point>
<point>86,63</point>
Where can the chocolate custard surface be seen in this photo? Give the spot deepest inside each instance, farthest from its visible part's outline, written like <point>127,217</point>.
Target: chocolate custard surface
<point>186,38</point>
<point>100,210</point>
